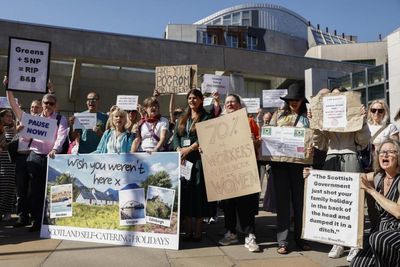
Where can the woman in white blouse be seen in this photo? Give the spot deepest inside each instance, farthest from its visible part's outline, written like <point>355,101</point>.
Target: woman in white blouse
<point>378,117</point>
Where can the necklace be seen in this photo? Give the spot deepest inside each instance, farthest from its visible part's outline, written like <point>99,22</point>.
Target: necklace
<point>388,181</point>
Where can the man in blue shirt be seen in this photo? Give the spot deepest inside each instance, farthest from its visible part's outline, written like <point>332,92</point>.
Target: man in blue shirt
<point>89,139</point>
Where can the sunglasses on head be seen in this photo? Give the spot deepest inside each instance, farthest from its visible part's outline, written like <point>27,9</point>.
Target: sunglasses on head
<point>380,110</point>
<point>49,103</point>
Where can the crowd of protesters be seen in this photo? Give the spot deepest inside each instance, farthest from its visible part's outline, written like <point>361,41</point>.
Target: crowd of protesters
<point>23,179</point>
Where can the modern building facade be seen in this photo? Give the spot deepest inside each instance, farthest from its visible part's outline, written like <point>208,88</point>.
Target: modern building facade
<point>259,46</point>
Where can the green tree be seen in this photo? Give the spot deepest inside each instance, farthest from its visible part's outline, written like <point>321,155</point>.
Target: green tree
<point>160,179</point>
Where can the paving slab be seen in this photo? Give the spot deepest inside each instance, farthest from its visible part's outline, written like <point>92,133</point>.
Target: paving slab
<point>222,261</point>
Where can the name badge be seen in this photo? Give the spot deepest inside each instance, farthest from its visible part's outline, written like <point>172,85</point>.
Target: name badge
<point>186,142</point>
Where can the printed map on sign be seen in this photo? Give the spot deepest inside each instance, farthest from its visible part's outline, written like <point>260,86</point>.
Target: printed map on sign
<point>112,198</point>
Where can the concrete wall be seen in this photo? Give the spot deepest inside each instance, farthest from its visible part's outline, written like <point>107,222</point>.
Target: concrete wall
<point>316,79</point>
<point>357,51</point>
<point>393,41</point>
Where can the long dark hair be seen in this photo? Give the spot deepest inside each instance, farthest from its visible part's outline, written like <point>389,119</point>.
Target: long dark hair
<point>287,110</point>
<point>188,113</point>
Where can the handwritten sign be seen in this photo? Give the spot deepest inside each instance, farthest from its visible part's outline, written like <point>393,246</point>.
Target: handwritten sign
<point>37,127</point>
<point>334,112</point>
<point>334,208</point>
<point>121,199</point>
<point>286,144</point>
<point>338,113</point>
<point>215,83</point>
<point>29,63</point>
<point>271,98</point>
<point>127,102</point>
<point>186,169</point>
<point>85,120</point>
<point>229,161</point>
<point>176,79</point>
<point>4,102</point>
<point>252,104</point>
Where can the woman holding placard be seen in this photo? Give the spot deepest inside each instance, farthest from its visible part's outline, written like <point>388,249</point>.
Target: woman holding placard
<point>288,177</point>
<point>383,247</point>
<point>244,207</point>
<point>152,129</point>
<point>341,156</point>
<point>193,191</point>
<point>117,139</point>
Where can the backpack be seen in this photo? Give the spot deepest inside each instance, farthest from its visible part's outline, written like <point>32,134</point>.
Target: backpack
<point>65,145</point>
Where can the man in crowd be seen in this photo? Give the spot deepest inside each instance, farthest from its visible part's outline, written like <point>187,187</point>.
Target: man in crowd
<point>89,139</point>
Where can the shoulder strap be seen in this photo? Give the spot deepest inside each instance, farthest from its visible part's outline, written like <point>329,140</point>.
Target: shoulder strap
<point>377,133</point>
<point>297,120</point>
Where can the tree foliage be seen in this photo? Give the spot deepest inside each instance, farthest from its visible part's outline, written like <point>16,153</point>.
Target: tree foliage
<point>160,179</point>
<point>67,178</point>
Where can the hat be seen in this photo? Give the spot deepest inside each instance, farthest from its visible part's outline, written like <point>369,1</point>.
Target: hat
<point>295,91</point>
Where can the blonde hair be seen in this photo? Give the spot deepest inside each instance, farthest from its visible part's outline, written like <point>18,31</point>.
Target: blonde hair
<point>117,111</point>
<point>385,107</point>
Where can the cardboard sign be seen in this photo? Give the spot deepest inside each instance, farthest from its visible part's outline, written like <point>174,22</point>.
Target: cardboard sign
<point>85,120</point>
<point>228,156</point>
<point>333,208</point>
<point>120,199</point>
<point>28,65</point>
<point>37,127</point>
<point>176,79</point>
<point>216,83</point>
<point>4,102</point>
<point>331,109</point>
<point>286,144</point>
<point>252,104</point>
<point>127,102</point>
<point>271,98</point>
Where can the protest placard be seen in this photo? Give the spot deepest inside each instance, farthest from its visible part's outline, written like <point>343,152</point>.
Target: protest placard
<point>85,120</point>
<point>228,157</point>
<point>337,112</point>
<point>109,202</point>
<point>207,101</point>
<point>252,104</point>
<point>4,102</point>
<point>176,79</point>
<point>38,127</point>
<point>286,144</point>
<point>127,102</point>
<point>333,208</point>
<point>216,83</point>
<point>271,98</point>
<point>28,65</point>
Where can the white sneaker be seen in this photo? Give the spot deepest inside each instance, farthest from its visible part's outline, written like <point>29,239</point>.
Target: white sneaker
<point>251,244</point>
<point>228,239</point>
<point>353,252</point>
<point>336,252</point>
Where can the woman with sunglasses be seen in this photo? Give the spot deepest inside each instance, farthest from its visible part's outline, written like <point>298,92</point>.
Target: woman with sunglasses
<point>383,245</point>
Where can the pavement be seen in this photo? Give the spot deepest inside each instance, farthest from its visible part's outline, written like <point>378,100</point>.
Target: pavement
<point>19,247</point>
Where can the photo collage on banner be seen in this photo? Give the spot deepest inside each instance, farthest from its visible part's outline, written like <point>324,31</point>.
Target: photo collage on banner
<point>123,199</point>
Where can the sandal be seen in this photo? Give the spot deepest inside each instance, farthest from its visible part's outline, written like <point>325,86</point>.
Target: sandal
<point>282,249</point>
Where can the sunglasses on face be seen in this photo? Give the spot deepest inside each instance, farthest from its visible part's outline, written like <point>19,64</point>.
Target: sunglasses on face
<point>49,103</point>
<point>177,113</point>
<point>380,110</point>
<point>91,99</point>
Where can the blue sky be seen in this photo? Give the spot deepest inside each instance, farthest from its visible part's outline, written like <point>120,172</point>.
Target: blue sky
<point>363,18</point>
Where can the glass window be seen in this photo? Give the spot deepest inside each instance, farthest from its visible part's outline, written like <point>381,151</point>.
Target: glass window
<point>376,92</point>
<point>363,96</point>
<point>328,38</point>
<point>375,75</point>
<point>236,18</point>
<point>232,41</point>
<point>251,42</point>
<point>359,79</point>
<point>246,18</point>
<point>217,21</point>
<point>318,37</point>
<point>227,20</point>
